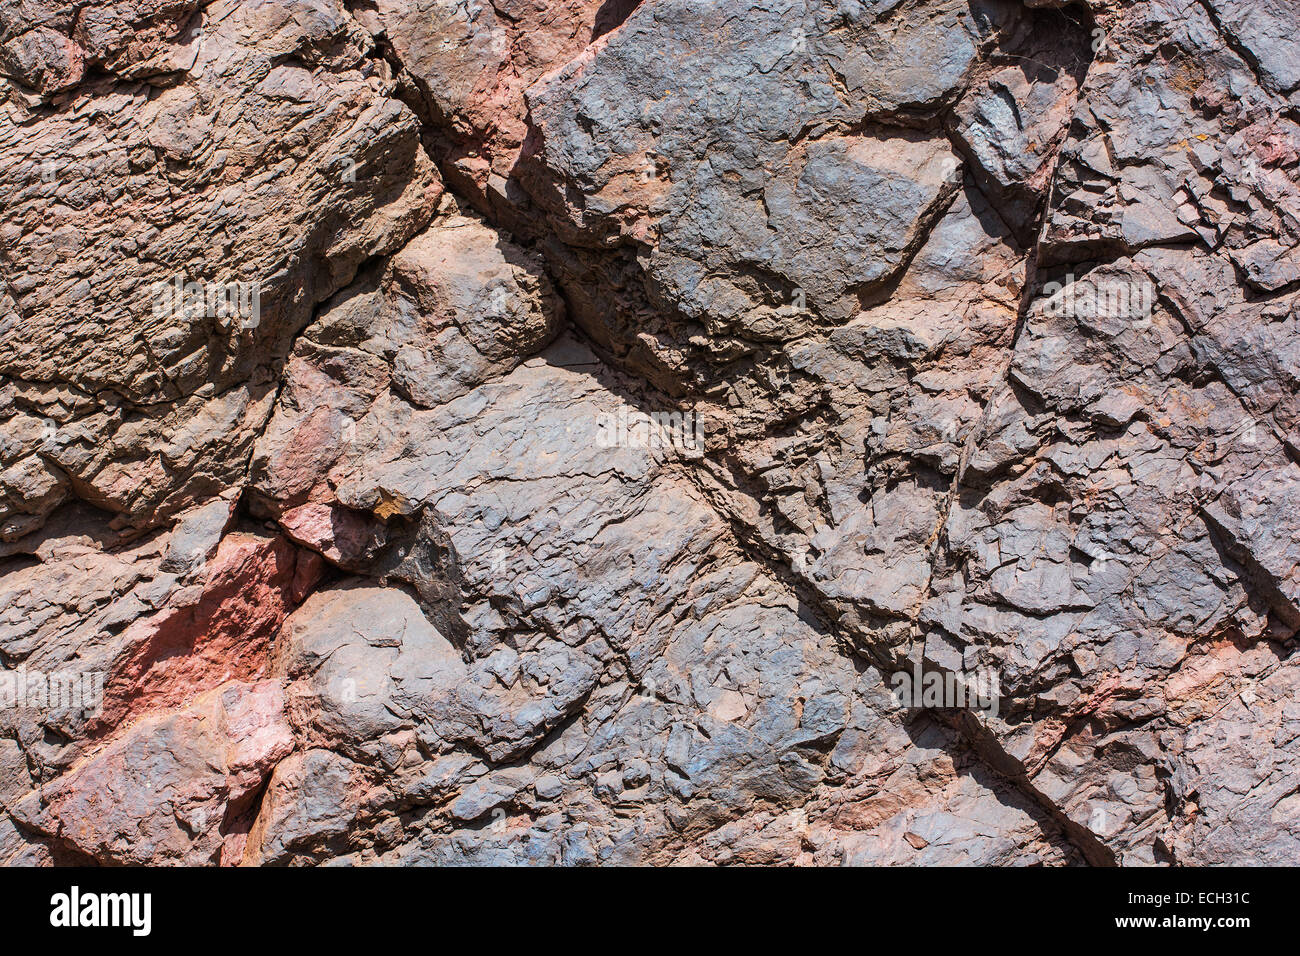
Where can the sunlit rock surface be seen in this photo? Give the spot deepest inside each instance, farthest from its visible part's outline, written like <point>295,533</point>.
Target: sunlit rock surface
<point>649,432</point>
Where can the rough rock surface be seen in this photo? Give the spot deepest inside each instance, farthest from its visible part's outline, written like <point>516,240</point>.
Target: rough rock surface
<point>625,400</point>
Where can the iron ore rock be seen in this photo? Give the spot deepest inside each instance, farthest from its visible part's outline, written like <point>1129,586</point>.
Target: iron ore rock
<point>613,432</point>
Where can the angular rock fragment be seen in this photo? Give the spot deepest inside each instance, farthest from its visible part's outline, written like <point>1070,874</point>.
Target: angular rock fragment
<point>165,244</point>
<point>169,789</point>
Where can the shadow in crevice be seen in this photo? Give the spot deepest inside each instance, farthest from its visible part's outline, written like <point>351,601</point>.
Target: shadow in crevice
<point>1053,828</point>
<point>611,15</point>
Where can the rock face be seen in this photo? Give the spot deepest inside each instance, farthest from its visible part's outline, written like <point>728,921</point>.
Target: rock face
<point>649,432</point>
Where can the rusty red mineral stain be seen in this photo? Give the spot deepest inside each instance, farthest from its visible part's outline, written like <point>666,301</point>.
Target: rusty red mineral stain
<point>251,585</point>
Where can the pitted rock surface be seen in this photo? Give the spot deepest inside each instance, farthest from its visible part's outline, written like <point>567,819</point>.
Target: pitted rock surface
<point>453,432</point>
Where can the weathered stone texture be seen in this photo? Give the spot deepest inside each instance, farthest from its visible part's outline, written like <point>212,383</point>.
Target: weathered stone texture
<point>640,394</point>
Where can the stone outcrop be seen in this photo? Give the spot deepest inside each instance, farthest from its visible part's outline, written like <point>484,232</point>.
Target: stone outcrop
<point>649,432</point>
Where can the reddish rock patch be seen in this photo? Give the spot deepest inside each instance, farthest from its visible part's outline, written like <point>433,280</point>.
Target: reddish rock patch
<point>345,537</point>
<point>170,788</point>
<point>252,584</point>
